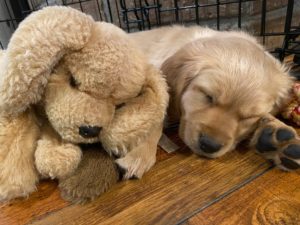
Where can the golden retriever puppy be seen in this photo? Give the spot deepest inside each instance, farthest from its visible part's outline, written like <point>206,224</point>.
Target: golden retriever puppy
<point>221,85</point>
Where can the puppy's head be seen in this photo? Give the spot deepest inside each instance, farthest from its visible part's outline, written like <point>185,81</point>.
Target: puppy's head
<point>220,87</point>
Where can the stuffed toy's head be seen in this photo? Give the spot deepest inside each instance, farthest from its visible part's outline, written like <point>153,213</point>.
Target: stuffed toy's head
<point>66,79</point>
<point>82,70</point>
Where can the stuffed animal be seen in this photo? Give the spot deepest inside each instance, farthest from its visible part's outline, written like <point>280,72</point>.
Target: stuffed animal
<point>66,80</point>
<point>292,110</point>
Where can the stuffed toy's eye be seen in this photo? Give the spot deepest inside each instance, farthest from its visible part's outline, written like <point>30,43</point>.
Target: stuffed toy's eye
<point>73,82</point>
<point>120,106</point>
<point>209,99</point>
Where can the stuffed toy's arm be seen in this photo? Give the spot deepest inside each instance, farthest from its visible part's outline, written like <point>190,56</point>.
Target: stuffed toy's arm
<point>132,123</point>
<point>53,158</point>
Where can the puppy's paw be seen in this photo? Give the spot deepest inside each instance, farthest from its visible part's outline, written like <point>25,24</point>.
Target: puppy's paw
<point>132,166</point>
<point>279,143</point>
<point>56,161</point>
<point>95,174</point>
<point>117,149</point>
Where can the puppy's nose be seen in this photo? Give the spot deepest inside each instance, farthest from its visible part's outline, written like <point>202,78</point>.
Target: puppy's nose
<point>208,144</point>
<point>89,131</point>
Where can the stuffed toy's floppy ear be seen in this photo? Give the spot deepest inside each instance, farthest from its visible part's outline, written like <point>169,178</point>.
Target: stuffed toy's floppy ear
<point>18,138</point>
<point>34,49</point>
<point>133,122</point>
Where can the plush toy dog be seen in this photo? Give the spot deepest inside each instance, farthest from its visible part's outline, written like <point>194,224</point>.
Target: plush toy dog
<point>64,80</point>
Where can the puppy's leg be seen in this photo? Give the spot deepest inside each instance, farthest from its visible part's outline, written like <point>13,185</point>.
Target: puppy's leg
<point>140,159</point>
<point>55,159</point>
<point>18,138</point>
<point>278,142</point>
<point>133,121</point>
<point>96,173</point>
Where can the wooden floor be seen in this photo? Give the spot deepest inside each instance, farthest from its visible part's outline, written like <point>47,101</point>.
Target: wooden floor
<point>239,188</point>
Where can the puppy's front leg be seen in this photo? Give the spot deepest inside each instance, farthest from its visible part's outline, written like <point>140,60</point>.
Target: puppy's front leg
<point>55,159</point>
<point>133,122</point>
<point>141,158</point>
<point>278,142</point>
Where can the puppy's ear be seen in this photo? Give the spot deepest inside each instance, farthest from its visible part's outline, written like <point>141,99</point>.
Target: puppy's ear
<point>36,46</point>
<point>178,78</point>
<point>133,122</point>
<point>282,82</point>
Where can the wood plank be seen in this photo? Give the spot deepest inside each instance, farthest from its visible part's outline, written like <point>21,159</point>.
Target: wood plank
<point>273,198</point>
<point>20,211</point>
<point>172,190</point>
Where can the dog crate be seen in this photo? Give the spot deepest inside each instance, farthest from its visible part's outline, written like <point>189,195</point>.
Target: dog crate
<point>275,22</point>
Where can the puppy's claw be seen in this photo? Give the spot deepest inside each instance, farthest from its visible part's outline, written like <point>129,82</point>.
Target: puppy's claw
<point>124,149</point>
<point>134,168</point>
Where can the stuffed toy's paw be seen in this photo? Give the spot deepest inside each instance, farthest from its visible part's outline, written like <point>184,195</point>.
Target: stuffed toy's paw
<point>96,173</point>
<point>56,161</point>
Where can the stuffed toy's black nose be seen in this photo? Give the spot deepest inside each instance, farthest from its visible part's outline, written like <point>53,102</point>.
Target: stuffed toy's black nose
<point>208,144</point>
<point>89,131</point>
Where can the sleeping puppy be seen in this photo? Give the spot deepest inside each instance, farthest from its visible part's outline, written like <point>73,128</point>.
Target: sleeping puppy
<point>224,88</point>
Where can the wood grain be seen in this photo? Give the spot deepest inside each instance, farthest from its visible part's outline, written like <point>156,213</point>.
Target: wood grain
<point>170,192</point>
<point>273,198</point>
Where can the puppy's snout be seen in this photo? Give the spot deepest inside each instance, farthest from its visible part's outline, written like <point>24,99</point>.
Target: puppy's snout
<point>89,131</point>
<point>208,144</point>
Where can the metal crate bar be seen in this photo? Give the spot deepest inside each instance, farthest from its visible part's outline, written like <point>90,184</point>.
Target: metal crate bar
<point>133,15</point>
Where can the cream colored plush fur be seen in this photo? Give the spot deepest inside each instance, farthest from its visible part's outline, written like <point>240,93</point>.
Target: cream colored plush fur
<point>61,71</point>
<point>221,83</point>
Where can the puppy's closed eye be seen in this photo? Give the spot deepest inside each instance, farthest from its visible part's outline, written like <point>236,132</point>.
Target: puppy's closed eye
<point>203,93</point>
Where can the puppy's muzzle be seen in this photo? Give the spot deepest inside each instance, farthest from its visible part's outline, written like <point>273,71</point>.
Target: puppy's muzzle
<point>208,145</point>
<point>89,131</point>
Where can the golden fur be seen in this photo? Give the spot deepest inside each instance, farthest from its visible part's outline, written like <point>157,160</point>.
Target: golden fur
<point>221,83</point>
<point>62,70</point>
